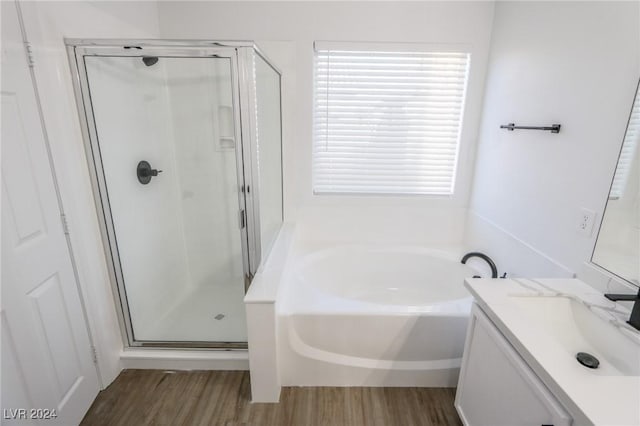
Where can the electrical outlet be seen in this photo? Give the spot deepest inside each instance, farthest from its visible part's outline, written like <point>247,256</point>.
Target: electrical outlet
<point>585,222</point>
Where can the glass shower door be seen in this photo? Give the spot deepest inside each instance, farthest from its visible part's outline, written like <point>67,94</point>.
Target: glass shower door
<point>167,155</point>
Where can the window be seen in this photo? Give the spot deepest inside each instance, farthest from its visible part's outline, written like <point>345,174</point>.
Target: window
<point>387,121</point>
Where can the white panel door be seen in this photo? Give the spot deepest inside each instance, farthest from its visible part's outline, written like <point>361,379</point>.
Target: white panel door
<point>46,353</point>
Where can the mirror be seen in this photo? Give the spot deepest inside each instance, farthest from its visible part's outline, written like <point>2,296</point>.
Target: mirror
<point>618,245</point>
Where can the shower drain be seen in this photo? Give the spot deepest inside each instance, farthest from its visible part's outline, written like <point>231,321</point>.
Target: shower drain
<point>219,317</point>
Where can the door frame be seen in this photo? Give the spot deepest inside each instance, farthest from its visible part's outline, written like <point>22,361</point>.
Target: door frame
<point>77,49</point>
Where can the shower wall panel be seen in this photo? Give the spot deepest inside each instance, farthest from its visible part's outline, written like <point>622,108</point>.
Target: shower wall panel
<point>205,142</point>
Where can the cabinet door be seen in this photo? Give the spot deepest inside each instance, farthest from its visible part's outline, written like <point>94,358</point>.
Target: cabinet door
<point>497,388</point>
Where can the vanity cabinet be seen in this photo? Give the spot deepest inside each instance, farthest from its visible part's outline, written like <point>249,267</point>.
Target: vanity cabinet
<point>497,387</point>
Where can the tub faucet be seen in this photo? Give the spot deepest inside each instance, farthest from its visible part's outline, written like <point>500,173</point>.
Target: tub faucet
<point>494,269</point>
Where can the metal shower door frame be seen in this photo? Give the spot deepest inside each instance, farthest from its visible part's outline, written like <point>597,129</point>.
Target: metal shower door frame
<point>77,49</point>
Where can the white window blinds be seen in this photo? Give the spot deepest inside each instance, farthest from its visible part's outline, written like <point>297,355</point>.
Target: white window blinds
<point>628,152</point>
<point>387,122</point>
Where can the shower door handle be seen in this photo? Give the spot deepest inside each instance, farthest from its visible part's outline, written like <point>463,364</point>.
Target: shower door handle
<point>145,172</point>
<point>241,219</point>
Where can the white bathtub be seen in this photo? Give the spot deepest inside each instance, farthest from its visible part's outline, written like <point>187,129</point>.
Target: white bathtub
<point>372,316</point>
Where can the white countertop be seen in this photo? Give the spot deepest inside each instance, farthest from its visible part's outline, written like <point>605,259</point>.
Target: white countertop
<point>590,396</point>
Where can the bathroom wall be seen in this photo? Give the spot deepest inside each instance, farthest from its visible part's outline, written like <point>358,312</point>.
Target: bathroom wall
<point>286,31</point>
<point>47,23</point>
<point>573,63</point>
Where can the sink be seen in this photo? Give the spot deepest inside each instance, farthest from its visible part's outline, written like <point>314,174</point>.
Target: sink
<point>575,328</point>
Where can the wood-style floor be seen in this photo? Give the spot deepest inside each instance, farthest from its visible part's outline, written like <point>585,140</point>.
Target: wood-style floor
<point>155,397</point>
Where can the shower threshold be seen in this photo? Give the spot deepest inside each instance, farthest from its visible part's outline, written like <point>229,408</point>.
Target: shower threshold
<point>195,345</point>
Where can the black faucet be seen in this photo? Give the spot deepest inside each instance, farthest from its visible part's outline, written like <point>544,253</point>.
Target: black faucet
<point>634,319</point>
<point>494,269</point>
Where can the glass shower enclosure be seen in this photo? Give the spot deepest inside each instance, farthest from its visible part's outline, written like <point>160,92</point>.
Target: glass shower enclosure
<point>183,142</point>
